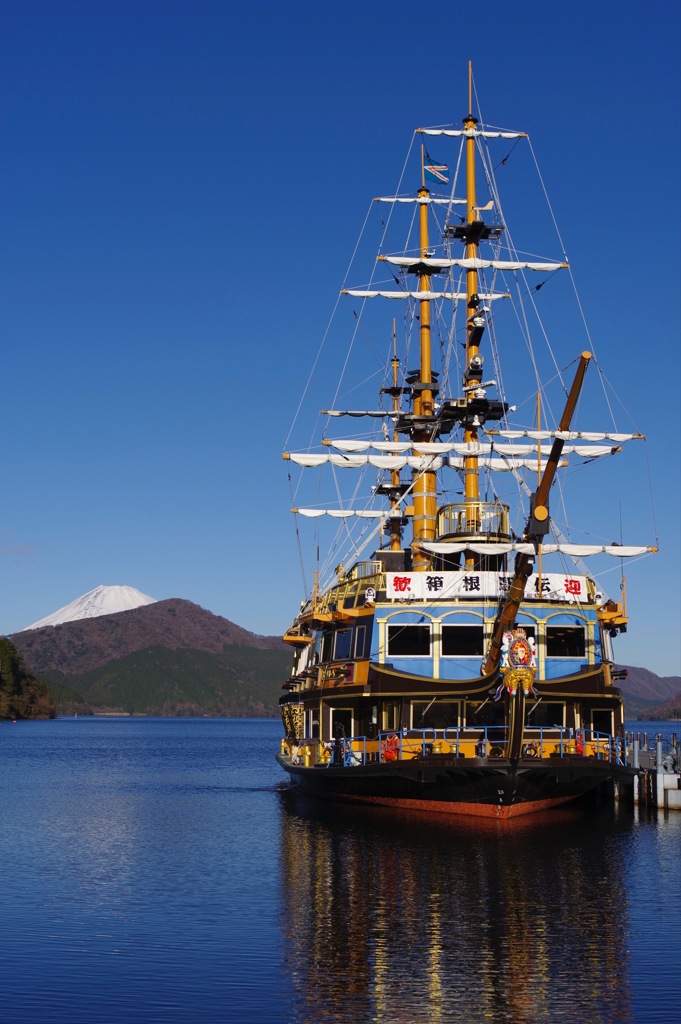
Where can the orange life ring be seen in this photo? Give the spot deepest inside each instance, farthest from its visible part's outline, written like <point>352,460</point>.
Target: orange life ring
<point>391,747</point>
<point>579,742</point>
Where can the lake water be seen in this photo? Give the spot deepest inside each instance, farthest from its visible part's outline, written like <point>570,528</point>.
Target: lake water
<point>159,870</point>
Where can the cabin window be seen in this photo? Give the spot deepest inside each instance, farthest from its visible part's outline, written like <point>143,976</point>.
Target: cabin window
<point>391,715</point>
<point>360,642</point>
<point>341,722</point>
<point>367,721</point>
<point>546,714</point>
<point>462,641</point>
<point>601,720</point>
<point>343,646</point>
<point>487,713</point>
<point>409,641</point>
<point>565,642</point>
<point>434,714</point>
<point>327,647</point>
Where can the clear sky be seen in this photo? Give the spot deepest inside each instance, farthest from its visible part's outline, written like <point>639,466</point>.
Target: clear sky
<point>182,187</point>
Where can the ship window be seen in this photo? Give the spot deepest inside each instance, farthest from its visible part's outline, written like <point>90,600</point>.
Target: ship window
<point>360,642</point>
<point>434,714</point>
<point>343,645</point>
<point>462,640</point>
<point>601,720</point>
<point>391,715</point>
<point>488,713</point>
<point>341,722</point>
<point>565,642</point>
<point>547,714</point>
<point>327,646</point>
<point>411,641</point>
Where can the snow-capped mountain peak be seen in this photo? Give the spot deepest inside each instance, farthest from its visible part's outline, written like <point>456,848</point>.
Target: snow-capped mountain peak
<point>100,601</point>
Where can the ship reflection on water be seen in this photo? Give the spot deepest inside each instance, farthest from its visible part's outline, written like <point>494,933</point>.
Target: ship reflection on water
<point>402,919</point>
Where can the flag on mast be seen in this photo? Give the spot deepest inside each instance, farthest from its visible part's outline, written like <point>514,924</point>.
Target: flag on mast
<point>434,171</point>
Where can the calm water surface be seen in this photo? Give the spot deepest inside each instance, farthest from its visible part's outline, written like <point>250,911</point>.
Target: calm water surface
<point>157,870</point>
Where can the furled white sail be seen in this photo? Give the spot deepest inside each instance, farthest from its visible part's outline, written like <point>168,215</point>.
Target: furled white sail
<point>472,133</point>
<point>470,263</point>
<point>505,465</point>
<point>468,448</point>
<point>568,435</point>
<point>575,550</point>
<point>389,447</point>
<point>454,296</point>
<point>351,461</point>
<point>338,513</point>
<point>421,200</point>
<point>422,463</point>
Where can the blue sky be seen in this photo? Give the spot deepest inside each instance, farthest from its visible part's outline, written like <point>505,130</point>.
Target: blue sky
<point>182,188</point>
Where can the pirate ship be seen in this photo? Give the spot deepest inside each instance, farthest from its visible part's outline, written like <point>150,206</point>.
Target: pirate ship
<point>465,664</point>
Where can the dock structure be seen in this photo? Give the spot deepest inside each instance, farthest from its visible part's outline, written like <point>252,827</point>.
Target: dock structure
<point>658,782</point>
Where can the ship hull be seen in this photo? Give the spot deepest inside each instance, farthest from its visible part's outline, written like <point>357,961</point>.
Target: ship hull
<point>478,788</point>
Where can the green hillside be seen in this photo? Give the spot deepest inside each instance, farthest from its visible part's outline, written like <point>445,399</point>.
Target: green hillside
<point>239,681</point>
<point>67,700</point>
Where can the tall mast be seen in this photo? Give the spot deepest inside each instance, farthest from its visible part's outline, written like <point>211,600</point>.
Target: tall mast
<point>396,489</point>
<point>425,484</point>
<point>473,372</point>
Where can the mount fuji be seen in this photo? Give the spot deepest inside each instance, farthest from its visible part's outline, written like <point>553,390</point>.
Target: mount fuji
<point>100,601</point>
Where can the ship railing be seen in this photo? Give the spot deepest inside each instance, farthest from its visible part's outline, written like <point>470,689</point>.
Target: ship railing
<point>455,741</point>
<point>601,746</point>
<point>347,752</point>
<point>365,570</point>
<point>404,744</point>
<point>539,742</point>
<point>352,752</point>
<point>478,741</point>
<point>388,746</point>
<point>458,741</point>
<point>350,590</point>
<point>473,519</point>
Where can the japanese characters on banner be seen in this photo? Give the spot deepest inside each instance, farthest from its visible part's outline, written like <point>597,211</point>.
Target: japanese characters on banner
<point>424,586</point>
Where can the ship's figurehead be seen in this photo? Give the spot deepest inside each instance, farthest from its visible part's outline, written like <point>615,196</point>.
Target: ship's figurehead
<point>518,663</point>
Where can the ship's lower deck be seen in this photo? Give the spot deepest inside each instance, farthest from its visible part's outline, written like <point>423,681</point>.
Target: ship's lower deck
<point>450,784</point>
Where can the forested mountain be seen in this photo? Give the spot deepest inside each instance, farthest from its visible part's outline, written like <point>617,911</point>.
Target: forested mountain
<point>641,683</point>
<point>170,657</point>
<point>644,692</point>
<point>83,645</point>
